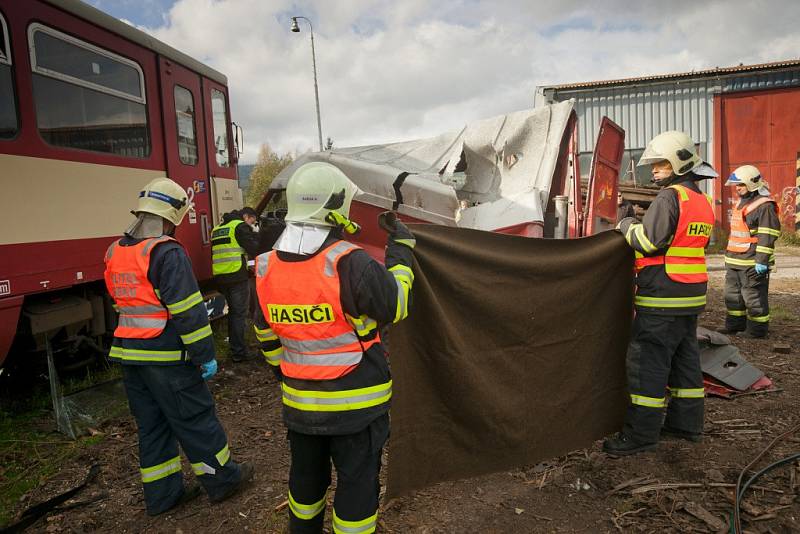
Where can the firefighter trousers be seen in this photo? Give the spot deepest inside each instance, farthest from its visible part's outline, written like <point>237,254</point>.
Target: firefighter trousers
<point>747,301</point>
<point>237,295</point>
<point>357,458</point>
<point>664,355</point>
<point>171,405</point>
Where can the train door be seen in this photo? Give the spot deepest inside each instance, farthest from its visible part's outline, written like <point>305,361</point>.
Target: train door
<point>187,164</point>
<point>221,150</point>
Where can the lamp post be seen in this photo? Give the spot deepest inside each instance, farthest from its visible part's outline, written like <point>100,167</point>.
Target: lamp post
<point>296,29</point>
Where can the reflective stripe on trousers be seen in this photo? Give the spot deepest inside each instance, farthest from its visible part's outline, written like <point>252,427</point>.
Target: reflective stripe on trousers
<point>162,470</point>
<point>365,526</point>
<point>307,511</point>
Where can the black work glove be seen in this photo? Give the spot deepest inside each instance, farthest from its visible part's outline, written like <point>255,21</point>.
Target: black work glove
<point>398,232</point>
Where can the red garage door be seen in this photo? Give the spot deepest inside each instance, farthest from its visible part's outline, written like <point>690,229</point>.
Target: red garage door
<point>760,128</point>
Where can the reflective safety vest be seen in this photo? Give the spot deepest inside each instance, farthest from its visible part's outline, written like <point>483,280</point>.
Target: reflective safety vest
<point>141,313</point>
<point>226,253</point>
<point>302,304</point>
<point>741,238</point>
<point>685,260</point>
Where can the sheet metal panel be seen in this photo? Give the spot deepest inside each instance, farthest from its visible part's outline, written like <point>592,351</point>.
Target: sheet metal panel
<point>646,108</point>
<point>760,129</point>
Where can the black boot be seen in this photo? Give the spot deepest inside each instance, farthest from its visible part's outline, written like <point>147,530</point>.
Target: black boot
<point>667,432</point>
<point>730,331</point>
<point>191,492</point>
<point>624,445</point>
<point>247,471</point>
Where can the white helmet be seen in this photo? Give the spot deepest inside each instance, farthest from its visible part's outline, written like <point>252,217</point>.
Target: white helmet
<point>748,176</point>
<point>675,147</point>
<point>165,198</point>
<point>316,189</point>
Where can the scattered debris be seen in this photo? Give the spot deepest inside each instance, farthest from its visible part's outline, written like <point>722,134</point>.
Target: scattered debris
<point>782,348</point>
<point>715,523</point>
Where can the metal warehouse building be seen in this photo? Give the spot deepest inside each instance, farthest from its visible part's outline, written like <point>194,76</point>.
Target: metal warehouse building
<point>749,114</point>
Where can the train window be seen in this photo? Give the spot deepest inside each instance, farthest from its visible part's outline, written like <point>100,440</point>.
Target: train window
<point>184,114</point>
<point>86,97</point>
<point>8,106</point>
<point>219,111</point>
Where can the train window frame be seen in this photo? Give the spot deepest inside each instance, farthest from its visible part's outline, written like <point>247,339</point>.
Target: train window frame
<point>228,163</point>
<point>6,61</point>
<point>178,114</point>
<point>35,27</point>
<point>5,52</point>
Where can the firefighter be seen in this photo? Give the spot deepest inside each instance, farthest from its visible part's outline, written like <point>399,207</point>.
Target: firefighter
<point>324,301</point>
<point>164,343</point>
<point>750,257</point>
<point>671,291</point>
<point>231,243</point>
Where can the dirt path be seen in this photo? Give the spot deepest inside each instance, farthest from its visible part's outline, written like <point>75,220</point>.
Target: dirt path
<point>575,493</point>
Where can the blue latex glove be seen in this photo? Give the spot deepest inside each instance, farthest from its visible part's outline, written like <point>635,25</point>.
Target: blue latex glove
<point>761,269</point>
<point>209,369</point>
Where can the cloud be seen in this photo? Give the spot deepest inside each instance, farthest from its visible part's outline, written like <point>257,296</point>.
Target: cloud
<point>393,70</point>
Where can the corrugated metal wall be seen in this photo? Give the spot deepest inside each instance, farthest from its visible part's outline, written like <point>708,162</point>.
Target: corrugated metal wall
<point>645,109</point>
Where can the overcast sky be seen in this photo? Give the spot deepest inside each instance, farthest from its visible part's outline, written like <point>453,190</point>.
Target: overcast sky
<point>392,70</point>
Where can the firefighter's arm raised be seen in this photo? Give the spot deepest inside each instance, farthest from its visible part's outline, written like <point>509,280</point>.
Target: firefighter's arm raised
<point>654,234</point>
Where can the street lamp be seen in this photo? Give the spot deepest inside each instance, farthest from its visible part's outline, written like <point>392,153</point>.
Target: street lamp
<point>296,29</point>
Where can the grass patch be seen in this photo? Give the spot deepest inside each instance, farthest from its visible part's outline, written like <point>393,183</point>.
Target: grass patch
<point>781,313</point>
<point>718,242</point>
<point>30,455</point>
<point>789,239</point>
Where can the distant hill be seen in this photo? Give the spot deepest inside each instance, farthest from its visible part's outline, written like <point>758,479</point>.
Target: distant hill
<point>244,176</point>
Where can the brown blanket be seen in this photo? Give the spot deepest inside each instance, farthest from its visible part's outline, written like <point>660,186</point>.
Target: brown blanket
<point>513,352</point>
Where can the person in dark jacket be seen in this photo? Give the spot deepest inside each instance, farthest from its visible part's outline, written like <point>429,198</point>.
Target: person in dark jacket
<point>750,255</point>
<point>163,341</point>
<point>232,242</point>
<point>671,285</point>
<point>323,302</point>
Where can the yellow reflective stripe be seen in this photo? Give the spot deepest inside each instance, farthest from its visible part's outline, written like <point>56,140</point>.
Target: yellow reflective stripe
<point>364,324</point>
<point>202,468</point>
<point>410,243</point>
<point>307,511</point>
<point>142,355</point>
<point>193,337</point>
<point>629,233</point>
<point>274,356</point>
<point>402,301</point>
<point>223,455</point>
<point>737,313</point>
<point>649,402</point>
<point>365,526</point>
<point>767,230</point>
<point>686,252</point>
<point>183,305</point>
<point>685,268</point>
<point>158,292</point>
<point>687,393</point>
<point>762,319</point>
<point>403,272</point>
<point>162,470</point>
<point>736,261</point>
<point>669,302</point>
<point>265,334</point>
<point>336,401</point>
<point>681,192</point>
<point>643,240</point>
<point>765,250</point>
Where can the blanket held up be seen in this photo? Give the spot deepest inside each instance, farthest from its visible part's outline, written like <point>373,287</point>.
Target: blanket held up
<point>513,352</point>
